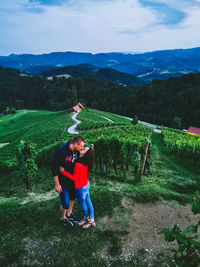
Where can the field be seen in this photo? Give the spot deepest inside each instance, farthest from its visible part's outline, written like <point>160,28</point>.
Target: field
<point>129,216</point>
<point>182,143</point>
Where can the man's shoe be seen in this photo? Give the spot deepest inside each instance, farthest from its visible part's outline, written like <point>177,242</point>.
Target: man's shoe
<point>66,222</point>
<point>73,218</point>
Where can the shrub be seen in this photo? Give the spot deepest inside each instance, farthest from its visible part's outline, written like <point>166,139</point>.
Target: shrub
<point>44,156</point>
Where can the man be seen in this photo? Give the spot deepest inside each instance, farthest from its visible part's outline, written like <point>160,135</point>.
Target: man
<point>65,157</point>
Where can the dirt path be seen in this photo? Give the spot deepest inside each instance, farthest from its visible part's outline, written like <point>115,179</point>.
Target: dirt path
<point>39,197</point>
<point>143,245</point>
<point>3,144</point>
<point>106,118</point>
<point>72,129</point>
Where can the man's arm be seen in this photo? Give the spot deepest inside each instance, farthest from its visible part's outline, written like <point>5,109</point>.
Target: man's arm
<point>58,187</point>
<point>55,171</point>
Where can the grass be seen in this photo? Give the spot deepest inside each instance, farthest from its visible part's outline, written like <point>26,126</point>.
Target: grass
<point>114,117</point>
<point>40,127</point>
<point>172,171</point>
<point>31,234</point>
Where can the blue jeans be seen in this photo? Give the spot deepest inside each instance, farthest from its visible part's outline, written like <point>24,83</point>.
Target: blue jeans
<point>83,196</point>
<point>64,196</point>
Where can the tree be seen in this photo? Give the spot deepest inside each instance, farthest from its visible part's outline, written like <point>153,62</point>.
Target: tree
<point>28,168</point>
<point>134,120</point>
<point>12,111</point>
<point>6,111</point>
<point>176,123</point>
<point>73,95</point>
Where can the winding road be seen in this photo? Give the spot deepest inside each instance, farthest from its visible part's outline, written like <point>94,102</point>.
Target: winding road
<point>72,129</point>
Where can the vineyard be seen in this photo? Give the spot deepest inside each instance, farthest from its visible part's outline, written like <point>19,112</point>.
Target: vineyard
<point>181,143</point>
<point>42,128</point>
<point>129,213</point>
<point>119,147</point>
<point>94,119</point>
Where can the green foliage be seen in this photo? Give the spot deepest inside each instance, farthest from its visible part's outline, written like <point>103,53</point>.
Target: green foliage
<point>176,123</point>
<point>44,155</point>
<point>13,111</point>
<point>38,238</point>
<point>9,111</point>
<point>188,252</point>
<point>136,159</point>
<point>183,144</point>
<point>26,163</point>
<point>41,93</point>
<point>84,109</point>
<point>135,120</point>
<point>42,128</point>
<point>196,203</point>
<point>6,166</point>
<point>6,111</point>
<point>73,96</point>
<point>114,117</point>
<point>114,147</point>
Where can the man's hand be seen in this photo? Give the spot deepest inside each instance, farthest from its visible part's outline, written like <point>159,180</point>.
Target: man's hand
<point>58,188</point>
<point>61,169</point>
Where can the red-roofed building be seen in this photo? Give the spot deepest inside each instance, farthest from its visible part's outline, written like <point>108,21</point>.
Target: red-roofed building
<point>77,108</point>
<point>193,130</point>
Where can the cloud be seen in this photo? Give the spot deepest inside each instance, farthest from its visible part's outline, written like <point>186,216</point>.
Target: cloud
<point>97,26</point>
<point>166,15</point>
<point>37,10</point>
<point>49,2</point>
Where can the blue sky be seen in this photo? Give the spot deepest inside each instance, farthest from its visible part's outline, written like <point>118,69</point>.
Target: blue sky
<point>44,26</point>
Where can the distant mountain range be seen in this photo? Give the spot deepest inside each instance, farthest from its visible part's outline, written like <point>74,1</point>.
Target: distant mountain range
<point>90,71</point>
<point>148,66</point>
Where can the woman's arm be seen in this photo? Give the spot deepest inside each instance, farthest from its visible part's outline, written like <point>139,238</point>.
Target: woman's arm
<point>65,173</point>
<point>76,174</point>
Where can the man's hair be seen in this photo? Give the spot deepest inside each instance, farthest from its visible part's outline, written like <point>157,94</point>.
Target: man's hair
<point>78,140</point>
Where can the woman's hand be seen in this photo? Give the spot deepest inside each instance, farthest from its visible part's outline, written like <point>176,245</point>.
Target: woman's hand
<point>61,169</point>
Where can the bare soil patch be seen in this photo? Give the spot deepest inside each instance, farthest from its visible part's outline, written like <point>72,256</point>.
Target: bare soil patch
<point>144,246</point>
<point>40,197</point>
<point>146,222</point>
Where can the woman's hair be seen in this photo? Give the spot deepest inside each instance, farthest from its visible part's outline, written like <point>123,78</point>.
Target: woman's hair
<point>88,159</point>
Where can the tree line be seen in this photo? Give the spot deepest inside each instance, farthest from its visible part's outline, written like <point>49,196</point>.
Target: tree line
<point>158,102</point>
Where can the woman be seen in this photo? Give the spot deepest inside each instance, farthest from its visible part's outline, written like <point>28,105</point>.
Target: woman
<point>82,169</point>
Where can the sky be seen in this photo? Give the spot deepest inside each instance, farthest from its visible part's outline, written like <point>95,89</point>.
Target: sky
<point>98,26</point>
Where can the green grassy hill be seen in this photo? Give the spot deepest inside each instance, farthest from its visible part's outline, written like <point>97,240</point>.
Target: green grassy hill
<point>31,234</point>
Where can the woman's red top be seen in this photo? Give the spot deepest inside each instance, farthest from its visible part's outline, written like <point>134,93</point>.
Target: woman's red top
<point>80,175</point>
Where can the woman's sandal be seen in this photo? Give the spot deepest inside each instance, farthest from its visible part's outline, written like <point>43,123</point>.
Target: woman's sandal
<point>89,224</point>
<point>83,221</point>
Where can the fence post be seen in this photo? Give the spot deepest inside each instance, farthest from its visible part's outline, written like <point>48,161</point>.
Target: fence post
<point>144,159</point>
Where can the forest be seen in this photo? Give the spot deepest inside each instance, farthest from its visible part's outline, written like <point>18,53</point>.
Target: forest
<point>158,102</point>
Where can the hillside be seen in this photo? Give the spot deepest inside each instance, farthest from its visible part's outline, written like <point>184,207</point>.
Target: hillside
<point>129,216</point>
<point>158,102</point>
<point>89,71</point>
<point>148,66</point>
